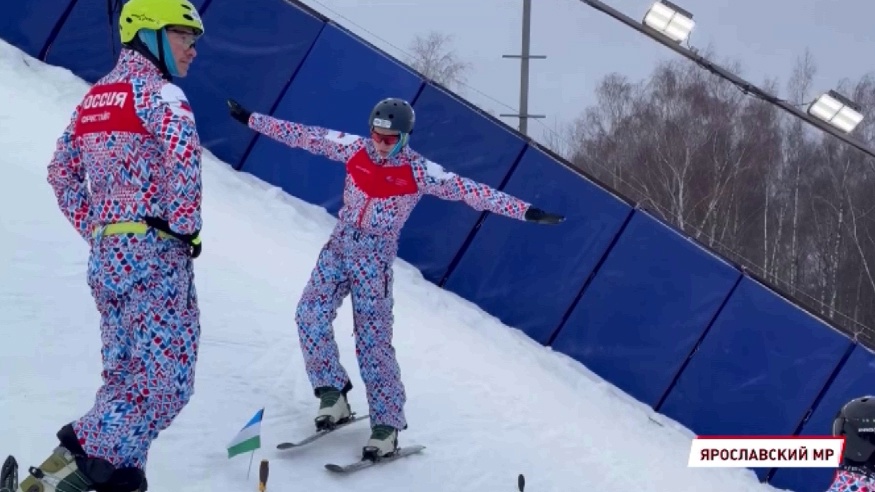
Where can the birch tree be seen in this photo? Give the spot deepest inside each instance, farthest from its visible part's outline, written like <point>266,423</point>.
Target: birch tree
<point>433,56</point>
<point>789,203</point>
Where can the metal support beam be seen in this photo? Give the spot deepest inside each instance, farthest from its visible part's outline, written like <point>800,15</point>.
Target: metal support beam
<point>524,70</point>
<point>721,72</point>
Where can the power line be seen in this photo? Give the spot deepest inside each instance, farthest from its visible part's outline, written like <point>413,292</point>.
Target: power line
<point>745,86</point>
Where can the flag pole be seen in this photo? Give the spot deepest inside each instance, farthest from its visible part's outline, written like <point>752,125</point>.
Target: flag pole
<point>249,438</point>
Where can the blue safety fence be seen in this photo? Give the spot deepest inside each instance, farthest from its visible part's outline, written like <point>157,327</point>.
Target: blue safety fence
<point>638,302</point>
<point>653,297</point>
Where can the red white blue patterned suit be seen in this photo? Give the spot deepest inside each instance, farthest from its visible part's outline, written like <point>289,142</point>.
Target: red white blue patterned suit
<point>378,196</point>
<point>133,137</point>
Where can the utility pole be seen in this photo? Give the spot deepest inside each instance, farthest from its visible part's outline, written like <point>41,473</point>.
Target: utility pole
<point>524,71</point>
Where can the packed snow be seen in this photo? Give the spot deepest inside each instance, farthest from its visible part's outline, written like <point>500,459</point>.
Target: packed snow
<point>486,401</point>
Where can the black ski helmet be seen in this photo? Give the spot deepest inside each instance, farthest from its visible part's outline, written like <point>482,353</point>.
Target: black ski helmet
<point>393,114</point>
<point>856,421</point>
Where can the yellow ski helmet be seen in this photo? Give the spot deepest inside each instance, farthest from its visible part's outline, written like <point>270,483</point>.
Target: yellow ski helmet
<point>156,14</point>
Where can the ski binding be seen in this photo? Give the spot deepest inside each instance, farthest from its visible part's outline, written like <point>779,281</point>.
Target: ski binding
<point>366,463</point>
<point>320,433</point>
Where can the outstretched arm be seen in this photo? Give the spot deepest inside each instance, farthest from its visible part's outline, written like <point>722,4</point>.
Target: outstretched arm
<point>335,145</point>
<point>66,175</point>
<point>450,186</point>
<point>443,184</point>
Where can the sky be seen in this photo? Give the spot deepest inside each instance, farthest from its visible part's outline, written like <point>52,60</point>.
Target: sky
<point>584,45</point>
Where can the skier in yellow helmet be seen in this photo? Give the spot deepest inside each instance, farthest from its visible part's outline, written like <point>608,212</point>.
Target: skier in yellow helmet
<point>134,137</point>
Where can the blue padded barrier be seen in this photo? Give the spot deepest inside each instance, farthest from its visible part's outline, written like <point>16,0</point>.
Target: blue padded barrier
<point>248,54</point>
<point>27,25</point>
<point>853,380</point>
<point>550,263</point>
<point>646,308</point>
<point>88,43</point>
<point>467,143</point>
<point>336,87</point>
<point>759,369</point>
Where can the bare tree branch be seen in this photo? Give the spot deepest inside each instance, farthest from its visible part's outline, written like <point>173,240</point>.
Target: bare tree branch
<point>433,57</point>
<point>787,202</point>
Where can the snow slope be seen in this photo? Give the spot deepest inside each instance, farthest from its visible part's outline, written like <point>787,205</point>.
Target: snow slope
<point>486,401</point>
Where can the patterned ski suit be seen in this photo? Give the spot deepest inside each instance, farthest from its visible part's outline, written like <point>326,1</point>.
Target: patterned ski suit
<point>848,481</point>
<point>134,137</point>
<point>378,197</point>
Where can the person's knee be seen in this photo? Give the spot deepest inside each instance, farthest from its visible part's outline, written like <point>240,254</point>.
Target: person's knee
<point>373,332</point>
<point>168,387</point>
<point>314,311</point>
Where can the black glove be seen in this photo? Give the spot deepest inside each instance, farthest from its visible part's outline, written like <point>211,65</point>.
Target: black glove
<point>238,112</point>
<point>193,240</point>
<point>541,217</point>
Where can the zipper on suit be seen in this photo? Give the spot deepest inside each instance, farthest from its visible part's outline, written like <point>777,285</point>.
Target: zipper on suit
<point>362,213</point>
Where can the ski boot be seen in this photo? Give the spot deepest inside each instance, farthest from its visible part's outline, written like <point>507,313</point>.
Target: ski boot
<point>69,469</point>
<point>334,409</point>
<point>59,472</point>
<point>383,443</point>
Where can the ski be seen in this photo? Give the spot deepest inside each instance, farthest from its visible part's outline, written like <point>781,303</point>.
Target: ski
<point>364,463</point>
<point>9,475</point>
<point>320,433</point>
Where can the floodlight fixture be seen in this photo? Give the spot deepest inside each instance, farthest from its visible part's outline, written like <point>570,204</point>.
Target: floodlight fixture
<point>837,122</point>
<point>670,20</point>
<point>837,110</point>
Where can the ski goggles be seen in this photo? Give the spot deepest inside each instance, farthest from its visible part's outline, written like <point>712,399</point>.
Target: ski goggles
<point>386,139</point>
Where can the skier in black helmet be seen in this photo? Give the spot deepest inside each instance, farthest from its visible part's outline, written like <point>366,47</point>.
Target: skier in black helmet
<point>385,180</point>
<point>856,422</point>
